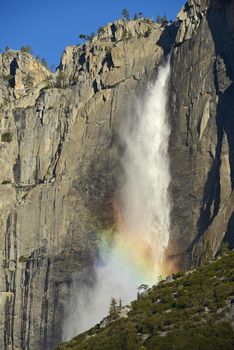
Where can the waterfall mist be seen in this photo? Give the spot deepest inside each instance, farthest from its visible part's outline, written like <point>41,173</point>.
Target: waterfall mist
<point>136,254</point>
<point>145,204</point>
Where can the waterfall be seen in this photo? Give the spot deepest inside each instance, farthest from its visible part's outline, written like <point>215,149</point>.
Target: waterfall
<point>145,203</point>
<point>136,255</point>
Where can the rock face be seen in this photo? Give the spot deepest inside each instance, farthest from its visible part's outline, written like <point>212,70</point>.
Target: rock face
<point>59,157</point>
<point>59,160</point>
<point>202,138</point>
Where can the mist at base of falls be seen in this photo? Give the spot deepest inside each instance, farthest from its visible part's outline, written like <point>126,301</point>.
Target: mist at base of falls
<point>136,254</point>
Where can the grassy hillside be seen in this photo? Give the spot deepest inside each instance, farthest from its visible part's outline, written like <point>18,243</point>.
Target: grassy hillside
<point>195,312</point>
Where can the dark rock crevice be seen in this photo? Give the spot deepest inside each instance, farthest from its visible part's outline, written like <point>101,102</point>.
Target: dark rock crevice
<point>211,197</point>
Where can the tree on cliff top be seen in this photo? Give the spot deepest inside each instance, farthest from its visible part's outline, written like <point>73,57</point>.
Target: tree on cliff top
<point>125,14</point>
<point>162,19</point>
<point>27,49</point>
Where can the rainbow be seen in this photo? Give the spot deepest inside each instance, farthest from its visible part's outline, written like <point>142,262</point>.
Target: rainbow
<point>133,252</point>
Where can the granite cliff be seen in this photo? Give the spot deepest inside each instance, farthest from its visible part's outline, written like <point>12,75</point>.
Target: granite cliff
<point>59,164</point>
<point>59,156</point>
<point>201,145</point>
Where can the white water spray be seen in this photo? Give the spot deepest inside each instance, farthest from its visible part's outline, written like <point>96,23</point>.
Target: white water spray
<point>137,253</point>
<point>145,199</point>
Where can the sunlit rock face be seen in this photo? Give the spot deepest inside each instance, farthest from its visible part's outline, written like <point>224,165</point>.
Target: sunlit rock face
<point>59,169</point>
<point>201,144</point>
<point>23,72</point>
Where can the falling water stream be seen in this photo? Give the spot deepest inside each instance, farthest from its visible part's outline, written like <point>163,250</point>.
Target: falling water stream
<point>136,255</point>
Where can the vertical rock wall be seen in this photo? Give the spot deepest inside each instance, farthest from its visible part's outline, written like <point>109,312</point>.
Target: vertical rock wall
<point>201,145</point>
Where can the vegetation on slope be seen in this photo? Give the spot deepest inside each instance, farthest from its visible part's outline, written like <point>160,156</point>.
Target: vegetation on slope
<point>195,311</point>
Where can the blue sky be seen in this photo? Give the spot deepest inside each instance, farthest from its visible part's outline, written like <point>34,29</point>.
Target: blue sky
<point>50,25</point>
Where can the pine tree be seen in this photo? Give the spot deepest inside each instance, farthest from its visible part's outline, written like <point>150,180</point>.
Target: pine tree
<point>125,14</point>
<point>44,63</point>
<point>83,37</point>
<point>113,310</point>
<point>162,19</point>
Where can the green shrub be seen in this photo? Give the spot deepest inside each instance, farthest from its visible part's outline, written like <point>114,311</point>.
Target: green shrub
<point>83,36</point>
<point>8,77</point>
<point>178,275</point>
<point>6,182</point>
<point>59,83</point>
<point>29,81</point>
<point>22,259</point>
<point>7,137</point>
<point>148,32</point>
<point>27,49</point>
<point>224,249</point>
<point>126,35</point>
